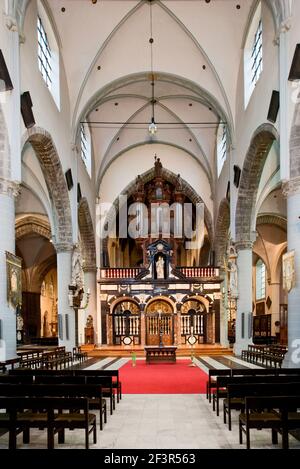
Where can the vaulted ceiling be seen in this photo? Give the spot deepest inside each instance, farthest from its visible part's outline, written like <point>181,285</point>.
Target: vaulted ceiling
<point>196,52</point>
<point>196,58</point>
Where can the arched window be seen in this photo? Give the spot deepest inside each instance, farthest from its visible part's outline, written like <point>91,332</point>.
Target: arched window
<point>85,147</point>
<point>48,53</point>
<point>253,55</point>
<point>260,280</point>
<point>221,147</point>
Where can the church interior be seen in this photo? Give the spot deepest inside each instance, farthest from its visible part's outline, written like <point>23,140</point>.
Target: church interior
<point>150,201</point>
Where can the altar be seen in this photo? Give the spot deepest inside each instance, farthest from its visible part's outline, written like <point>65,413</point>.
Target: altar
<point>160,354</point>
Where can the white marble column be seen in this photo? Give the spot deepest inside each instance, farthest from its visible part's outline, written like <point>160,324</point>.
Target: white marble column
<point>8,191</point>
<point>292,191</point>
<point>244,301</point>
<point>283,41</point>
<point>66,319</point>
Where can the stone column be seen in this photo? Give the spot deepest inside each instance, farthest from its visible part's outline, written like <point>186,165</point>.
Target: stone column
<point>66,318</point>
<point>8,344</point>
<point>292,191</point>
<point>283,41</point>
<point>244,301</point>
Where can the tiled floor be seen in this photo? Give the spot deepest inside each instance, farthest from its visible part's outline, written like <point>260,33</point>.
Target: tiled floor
<point>161,422</point>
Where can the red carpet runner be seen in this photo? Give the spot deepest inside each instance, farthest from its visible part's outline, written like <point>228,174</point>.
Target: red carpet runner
<point>162,378</point>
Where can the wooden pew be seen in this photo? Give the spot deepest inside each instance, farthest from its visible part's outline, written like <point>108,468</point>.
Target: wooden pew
<point>9,363</point>
<point>16,379</point>
<point>276,412</point>
<point>223,382</point>
<point>61,389</point>
<point>237,391</point>
<point>17,419</point>
<point>265,355</point>
<point>212,381</point>
<point>114,374</point>
<point>212,374</point>
<point>78,354</point>
<point>94,401</point>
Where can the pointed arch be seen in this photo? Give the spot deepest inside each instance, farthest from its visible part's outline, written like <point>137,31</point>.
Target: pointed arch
<point>255,159</point>
<point>170,177</point>
<point>32,223</point>
<point>272,219</point>
<point>87,235</point>
<point>222,230</point>
<point>45,150</point>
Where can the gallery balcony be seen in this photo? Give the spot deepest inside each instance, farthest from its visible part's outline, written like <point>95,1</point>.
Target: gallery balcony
<point>138,273</point>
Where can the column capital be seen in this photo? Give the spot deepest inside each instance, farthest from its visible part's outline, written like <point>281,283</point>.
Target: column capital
<point>244,245</point>
<point>282,29</point>
<point>63,247</point>
<point>75,148</point>
<point>11,23</point>
<point>291,187</point>
<point>10,188</point>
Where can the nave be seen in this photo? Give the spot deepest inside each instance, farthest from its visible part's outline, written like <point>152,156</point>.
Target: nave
<point>163,420</point>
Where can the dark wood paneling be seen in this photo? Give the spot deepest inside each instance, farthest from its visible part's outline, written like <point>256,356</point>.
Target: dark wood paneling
<point>31,312</point>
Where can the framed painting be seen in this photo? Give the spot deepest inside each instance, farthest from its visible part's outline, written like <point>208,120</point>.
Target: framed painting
<point>288,271</point>
<point>14,279</point>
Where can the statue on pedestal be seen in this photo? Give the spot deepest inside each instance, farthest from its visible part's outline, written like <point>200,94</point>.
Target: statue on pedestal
<point>233,272</point>
<point>157,167</point>
<point>77,270</point>
<point>178,184</point>
<point>89,321</point>
<point>160,271</point>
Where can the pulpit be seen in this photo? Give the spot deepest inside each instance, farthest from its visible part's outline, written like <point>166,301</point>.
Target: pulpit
<point>89,335</point>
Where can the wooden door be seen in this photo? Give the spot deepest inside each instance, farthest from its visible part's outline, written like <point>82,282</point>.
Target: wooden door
<point>283,324</point>
<point>159,329</point>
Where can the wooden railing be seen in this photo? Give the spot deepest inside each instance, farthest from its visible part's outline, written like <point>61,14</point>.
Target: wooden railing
<point>116,272</point>
<point>204,272</point>
<point>133,272</point>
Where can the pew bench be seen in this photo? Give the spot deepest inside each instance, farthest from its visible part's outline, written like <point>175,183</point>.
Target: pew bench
<point>212,380</point>
<point>238,391</point>
<point>24,413</point>
<point>279,413</point>
<point>9,363</point>
<point>78,354</point>
<point>113,383</point>
<point>93,392</point>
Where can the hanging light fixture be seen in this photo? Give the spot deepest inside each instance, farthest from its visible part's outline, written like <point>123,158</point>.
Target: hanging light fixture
<point>152,126</point>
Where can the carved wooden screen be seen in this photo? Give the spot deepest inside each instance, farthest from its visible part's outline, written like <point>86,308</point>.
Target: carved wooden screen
<point>159,323</point>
